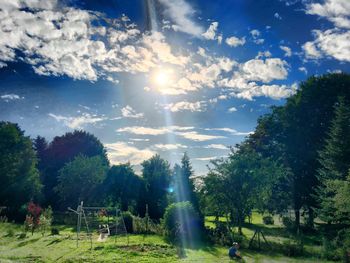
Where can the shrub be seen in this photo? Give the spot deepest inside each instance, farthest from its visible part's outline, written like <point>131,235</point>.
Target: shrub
<point>128,220</point>
<point>45,220</point>
<point>268,220</point>
<point>54,231</point>
<point>181,221</point>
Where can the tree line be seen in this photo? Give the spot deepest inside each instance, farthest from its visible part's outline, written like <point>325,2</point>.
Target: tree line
<point>74,167</point>
<point>297,159</point>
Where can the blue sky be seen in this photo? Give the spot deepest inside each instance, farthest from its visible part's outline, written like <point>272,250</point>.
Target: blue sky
<point>162,76</point>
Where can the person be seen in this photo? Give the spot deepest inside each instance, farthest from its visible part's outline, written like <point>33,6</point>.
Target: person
<point>233,252</point>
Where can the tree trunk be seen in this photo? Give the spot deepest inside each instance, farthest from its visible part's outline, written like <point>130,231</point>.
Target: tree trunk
<point>297,219</point>
<point>311,217</point>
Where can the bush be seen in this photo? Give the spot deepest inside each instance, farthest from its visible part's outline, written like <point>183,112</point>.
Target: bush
<point>177,229</point>
<point>54,231</point>
<point>268,220</point>
<point>45,220</point>
<point>128,220</point>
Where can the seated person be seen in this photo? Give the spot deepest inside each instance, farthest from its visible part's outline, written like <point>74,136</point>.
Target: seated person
<point>233,252</point>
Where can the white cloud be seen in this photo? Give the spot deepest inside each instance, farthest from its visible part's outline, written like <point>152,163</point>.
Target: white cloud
<point>185,106</point>
<point>8,97</point>
<point>216,146</point>
<point>336,11</point>
<point>168,147</point>
<point>139,130</point>
<point>77,122</point>
<point>195,136</point>
<point>287,50</point>
<point>235,41</point>
<point>303,69</point>
<point>129,112</point>
<point>331,43</point>
<point>181,13</point>
<point>277,16</point>
<point>232,109</point>
<point>211,31</point>
<point>229,130</point>
<point>121,152</point>
<point>255,33</point>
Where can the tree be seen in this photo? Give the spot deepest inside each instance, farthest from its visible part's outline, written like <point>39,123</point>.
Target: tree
<point>334,160</point>
<point>79,179</point>
<point>295,133</point>
<point>122,186</point>
<point>156,173</point>
<point>184,188</point>
<point>64,149</point>
<point>240,183</point>
<point>19,178</point>
<point>342,199</point>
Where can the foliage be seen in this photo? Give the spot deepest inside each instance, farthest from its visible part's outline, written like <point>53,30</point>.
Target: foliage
<point>268,220</point>
<point>128,221</point>
<point>32,221</point>
<point>238,184</point>
<point>294,134</point>
<point>122,186</point>
<point>79,180</point>
<point>293,248</point>
<point>19,177</point>
<point>62,150</point>
<point>45,220</point>
<point>182,223</point>
<point>156,173</point>
<point>335,162</point>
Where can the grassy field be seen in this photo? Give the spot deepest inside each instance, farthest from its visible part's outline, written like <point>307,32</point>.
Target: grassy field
<point>152,248</point>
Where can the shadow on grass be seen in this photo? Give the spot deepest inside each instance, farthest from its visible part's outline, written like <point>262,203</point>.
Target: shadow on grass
<point>24,243</point>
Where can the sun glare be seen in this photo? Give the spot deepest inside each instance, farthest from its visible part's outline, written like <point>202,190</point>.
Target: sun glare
<point>162,78</point>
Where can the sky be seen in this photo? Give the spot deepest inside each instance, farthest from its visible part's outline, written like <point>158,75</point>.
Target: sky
<point>162,76</point>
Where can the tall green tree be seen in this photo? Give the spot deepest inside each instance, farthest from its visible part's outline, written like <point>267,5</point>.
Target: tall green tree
<point>79,180</point>
<point>122,186</point>
<point>19,178</point>
<point>63,149</point>
<point>295,133</point>
<point>156,173</point>
<point>184,187</point>
<point>334,160</point>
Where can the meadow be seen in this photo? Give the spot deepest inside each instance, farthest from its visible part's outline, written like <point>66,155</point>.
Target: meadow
<point>143,248</point>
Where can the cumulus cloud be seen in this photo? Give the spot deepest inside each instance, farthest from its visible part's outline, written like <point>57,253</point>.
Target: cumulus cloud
<point>129,112</point>
<point>277,16</point>
<point>244,84</point>
<point>336,11</point>
<point>181,13</point>
<point>229,130</point>
<point>121,152</point>
<point>333,43</point>
<point>287,50</point>
<point>235,41</point>
<point>211,31</point>
<point>185,106</point>
<point>232,109</point>
<point>78,122</point>
<point>303,69</point>
<point>195,136</point>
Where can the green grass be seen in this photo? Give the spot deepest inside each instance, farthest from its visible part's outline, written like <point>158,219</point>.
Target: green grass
<point>152,248</point>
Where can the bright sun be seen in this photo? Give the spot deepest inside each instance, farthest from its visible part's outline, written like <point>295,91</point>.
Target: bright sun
<point>162,78</point>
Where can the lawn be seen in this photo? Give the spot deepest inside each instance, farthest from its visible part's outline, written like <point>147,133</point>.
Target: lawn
<point>151,248</point>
